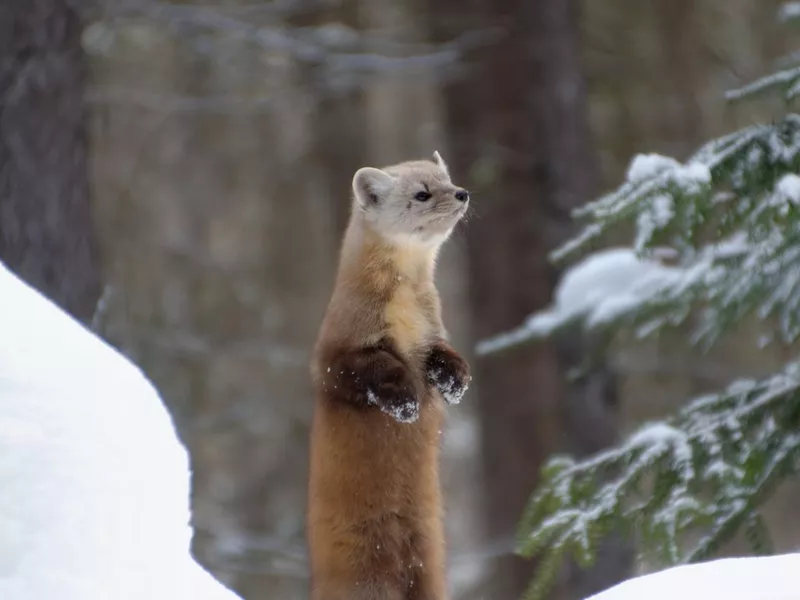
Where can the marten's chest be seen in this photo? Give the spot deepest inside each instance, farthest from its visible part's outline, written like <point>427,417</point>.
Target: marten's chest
<point>410,317</point>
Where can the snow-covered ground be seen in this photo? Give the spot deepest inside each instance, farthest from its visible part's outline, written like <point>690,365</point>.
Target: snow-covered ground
<point>94,483</point>
<point>761,578</point>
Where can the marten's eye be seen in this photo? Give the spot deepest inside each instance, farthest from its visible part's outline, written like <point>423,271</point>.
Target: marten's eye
<point>422,196</point>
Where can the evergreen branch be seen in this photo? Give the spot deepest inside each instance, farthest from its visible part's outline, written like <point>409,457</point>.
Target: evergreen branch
<point>789,12</point>
<point>733,447</point>
<point>782,79</point>
<point>752,267</point>
<point>728,220</point>
<point>781,464</point>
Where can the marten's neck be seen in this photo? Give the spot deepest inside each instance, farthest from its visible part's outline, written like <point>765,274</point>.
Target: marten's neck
<point>369,255</point>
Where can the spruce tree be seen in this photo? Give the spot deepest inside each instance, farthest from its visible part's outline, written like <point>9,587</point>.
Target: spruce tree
<point>728,219</point>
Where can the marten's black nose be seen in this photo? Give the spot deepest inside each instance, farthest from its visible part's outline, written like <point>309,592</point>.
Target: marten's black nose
<point>462,195</point>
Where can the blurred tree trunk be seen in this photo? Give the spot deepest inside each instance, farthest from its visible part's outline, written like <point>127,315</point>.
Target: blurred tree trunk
<point>518,125</point>
<point>222,227</point>
<point>45,223</point>
<point>682,53</point>
<point>339,124</point>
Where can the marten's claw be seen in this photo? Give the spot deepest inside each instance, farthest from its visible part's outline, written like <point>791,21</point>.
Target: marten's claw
<point>448,373</point>
<point>394,401</point>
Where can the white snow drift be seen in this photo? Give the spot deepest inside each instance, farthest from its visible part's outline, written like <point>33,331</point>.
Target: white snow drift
<point>94,483</point>
<point>762,578</point>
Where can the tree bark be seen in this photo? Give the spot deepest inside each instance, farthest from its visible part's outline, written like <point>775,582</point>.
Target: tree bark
<point>517,123</point>
<point>45,221</point>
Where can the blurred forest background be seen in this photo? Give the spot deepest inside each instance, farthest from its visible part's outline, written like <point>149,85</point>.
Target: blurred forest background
<point>177,176</point>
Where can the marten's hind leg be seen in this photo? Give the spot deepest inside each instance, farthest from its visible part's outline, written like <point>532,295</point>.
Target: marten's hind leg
<point>365,561</point>
<point>428,568</point>
<point>365,591</point>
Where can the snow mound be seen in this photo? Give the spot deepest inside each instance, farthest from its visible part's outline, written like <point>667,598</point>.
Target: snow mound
<point>94,483</point>
<point>751,578</point>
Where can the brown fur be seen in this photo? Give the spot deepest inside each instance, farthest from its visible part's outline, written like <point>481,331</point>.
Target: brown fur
<point>380,368</point>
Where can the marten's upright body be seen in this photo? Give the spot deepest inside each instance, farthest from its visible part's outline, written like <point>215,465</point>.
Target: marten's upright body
<point>383,372</point>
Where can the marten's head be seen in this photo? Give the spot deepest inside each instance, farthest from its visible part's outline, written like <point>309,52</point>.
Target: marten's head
<point>410,201</point>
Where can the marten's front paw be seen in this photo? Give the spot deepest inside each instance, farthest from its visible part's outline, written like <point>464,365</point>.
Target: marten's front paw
<point>396,397</point>
<point>448,373</point>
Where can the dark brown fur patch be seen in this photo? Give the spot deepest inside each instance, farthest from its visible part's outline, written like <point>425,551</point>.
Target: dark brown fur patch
<point>372,376</point>
<point>448,372</point>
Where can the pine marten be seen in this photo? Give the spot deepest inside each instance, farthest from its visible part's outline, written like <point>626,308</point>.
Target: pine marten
<point>382,373</point>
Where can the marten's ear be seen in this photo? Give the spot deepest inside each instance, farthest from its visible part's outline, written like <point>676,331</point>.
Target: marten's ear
<point>371,185</point>
<point>437,158</point>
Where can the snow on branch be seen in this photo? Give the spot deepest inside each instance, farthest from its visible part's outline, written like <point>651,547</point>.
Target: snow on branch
<point>785,80</point>
<point>789,12</point>
<point>740,193</point>
<point>707,469</point>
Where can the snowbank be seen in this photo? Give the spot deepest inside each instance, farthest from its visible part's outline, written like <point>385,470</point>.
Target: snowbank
<point>94,483</point>
<point>762,578</point>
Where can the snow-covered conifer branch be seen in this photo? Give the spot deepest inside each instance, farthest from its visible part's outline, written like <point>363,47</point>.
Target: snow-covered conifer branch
<point>718,238</point>
<point>740,192</point>
<point>732,447</point>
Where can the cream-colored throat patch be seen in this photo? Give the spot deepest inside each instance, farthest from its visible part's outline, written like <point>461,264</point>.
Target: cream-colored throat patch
<point>406,319</point>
